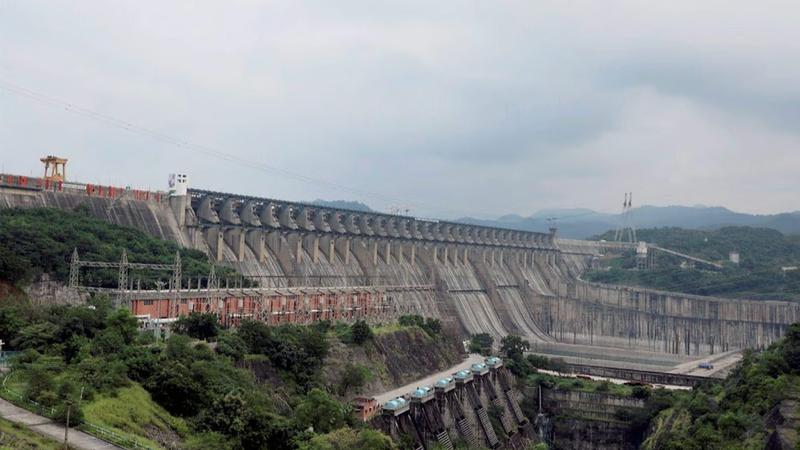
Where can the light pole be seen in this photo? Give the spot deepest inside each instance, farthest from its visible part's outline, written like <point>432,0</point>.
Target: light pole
<point>66,425</point>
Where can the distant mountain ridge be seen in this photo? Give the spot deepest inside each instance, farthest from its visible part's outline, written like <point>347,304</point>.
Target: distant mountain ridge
<point>580,223</point>
<point>343,204</point>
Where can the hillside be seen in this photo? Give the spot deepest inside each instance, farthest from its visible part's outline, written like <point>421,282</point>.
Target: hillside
<point>759,275</point>
<point>344,204</point>
<point>190,394</point>
<point>756,407</point>
<point>41,240</point>
<point>580,223</point>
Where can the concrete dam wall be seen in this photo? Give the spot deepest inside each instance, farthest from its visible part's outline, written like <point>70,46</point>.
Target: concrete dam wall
<point>483,279</point>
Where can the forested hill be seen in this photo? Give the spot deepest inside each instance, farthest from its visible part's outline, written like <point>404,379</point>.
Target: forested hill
<point>758,247</point>
<point>760,275</point>
<point>755,408</point>
<point>580,223</point>
<point>41,240</point>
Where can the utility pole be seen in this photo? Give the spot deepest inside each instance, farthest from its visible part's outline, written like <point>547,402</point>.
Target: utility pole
<point>66,425</point>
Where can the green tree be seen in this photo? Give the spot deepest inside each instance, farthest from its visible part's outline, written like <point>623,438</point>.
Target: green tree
<point>481,343</point>
<point>354,376</point>
<point>361,332</point>
<point>198,325</point>
<point>174,387</point>
<point>124,323</point>
<point>432,326</point>
<point>256,335</point>
<point>320,412</point>
<point>514,347</point>
<point>232,345</point>
<point>348,438</point>
<point>36,336</point>
<point>791,347</point>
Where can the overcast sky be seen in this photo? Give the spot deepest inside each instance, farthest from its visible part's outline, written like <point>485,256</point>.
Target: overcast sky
<point>450,108</point>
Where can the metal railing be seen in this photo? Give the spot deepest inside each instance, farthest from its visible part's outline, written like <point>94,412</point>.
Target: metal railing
<point>88,427</point>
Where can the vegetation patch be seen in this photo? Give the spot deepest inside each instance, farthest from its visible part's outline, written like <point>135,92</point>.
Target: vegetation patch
<point>17,437</point>
<point>741,412</point>
<point>34,241</point>
<point>132,411</point>
<point>766,270</point>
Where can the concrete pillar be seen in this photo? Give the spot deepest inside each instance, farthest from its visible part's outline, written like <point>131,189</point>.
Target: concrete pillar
<point>466,256</point>
<point>445,258</point>
<point>205,210</point>
<point>326,244</point>
<point>364,225</point>
<point>257,243</point>
<point>374,252</point>
<point>227,214</point>
<point>342,245</point>
<point>413,256</point>
<point>320,222</point>
<point>285,217</point>
<point>399,252</point>
<point>351,223</point>
<point>178,205</point>
<point>435,251</point>
<point>335,222</point>
<point>311,244</point>
<point>234,237</point>
<point>295,242</point>
<point>267,216</point>
<point>215,242</point>
<point>247,214</point>
<point>303,221</point>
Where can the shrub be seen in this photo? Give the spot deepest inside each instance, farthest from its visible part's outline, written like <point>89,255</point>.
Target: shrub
<point>354,376</point>
<point>320,412</point>
<point>481,343</point>
<point>361,332</point>
<point>232,345</point>
<point>198,325</point>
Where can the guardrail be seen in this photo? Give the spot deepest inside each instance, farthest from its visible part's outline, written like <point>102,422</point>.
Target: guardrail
<point>88,427</point>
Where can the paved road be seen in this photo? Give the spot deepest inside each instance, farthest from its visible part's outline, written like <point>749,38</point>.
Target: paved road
<point>394,393</point>
<point>723,363</point>
<point>42,425</point>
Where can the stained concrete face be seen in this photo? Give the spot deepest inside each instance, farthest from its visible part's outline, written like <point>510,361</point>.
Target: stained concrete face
<point>478,279</point>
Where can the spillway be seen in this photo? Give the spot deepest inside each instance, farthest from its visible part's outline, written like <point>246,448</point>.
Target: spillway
<point>478,279</point>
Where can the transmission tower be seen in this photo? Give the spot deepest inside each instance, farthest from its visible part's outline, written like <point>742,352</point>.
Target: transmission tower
<point>122,282</point>
<point>74,269</point>
<point>626,232</point>
<point>176,280</point>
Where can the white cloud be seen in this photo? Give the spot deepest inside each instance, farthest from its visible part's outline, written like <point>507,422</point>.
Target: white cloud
<point>457,108</point>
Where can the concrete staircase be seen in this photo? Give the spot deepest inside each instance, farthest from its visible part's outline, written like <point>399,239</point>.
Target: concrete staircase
<point>508,424</point>
<point>486,425</point>
<point>515,406</point>
<point>444,440</point>
<point>466,432</point>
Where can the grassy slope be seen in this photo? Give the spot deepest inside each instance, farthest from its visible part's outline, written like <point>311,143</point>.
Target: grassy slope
<point>13,436</point>
<point>132,413</point>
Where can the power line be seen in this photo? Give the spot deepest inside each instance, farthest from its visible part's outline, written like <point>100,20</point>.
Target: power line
<point>209,151</point>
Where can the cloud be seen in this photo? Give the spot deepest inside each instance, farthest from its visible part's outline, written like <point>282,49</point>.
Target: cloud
<point>451,108</point>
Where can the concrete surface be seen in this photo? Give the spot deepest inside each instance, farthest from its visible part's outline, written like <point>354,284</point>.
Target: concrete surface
<point>394,393</point>
<point>46,427</point>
